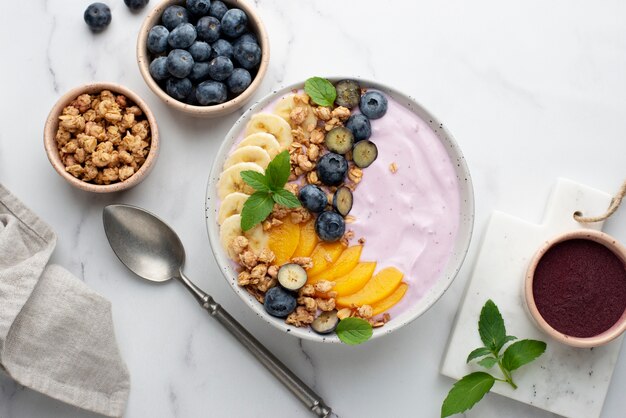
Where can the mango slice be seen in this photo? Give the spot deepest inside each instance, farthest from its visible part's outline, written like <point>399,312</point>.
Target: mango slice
<point>283,240</point>
<point>383,305</point>
<point>381,285</point>
<point>308,240</point>
<point>355,279</point>
<point>324,254</point>
<point>344,264</point>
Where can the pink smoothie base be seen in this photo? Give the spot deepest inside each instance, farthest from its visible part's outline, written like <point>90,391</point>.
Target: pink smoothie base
<point>409,219</point>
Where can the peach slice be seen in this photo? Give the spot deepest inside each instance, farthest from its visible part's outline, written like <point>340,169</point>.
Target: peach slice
<point>308,240</point>
<point>344,264</point>
<point>355,279</point>
<point>383,305</point>
<point>283,240</point>
<point>381,285</point>
<point>324,254</point>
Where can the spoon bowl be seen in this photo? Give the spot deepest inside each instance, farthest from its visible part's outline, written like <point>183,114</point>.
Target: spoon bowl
<point>144,244</point>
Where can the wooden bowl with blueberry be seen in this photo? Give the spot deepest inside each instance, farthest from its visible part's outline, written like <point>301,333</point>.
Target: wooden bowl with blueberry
<point>205,58</point>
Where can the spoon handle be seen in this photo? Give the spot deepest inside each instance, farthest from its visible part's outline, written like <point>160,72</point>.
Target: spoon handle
<point>306,395</point>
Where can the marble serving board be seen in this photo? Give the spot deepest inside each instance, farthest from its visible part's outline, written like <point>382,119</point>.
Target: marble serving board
<point>568,381</point>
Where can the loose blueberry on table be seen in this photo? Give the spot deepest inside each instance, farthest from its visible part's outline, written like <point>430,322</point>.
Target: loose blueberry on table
<point>97,16</point>
<point>208,45</point>
<point>285,197</point>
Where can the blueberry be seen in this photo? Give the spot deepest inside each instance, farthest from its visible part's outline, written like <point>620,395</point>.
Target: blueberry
<point>97,16</point>
<point>211,92</point>
<point>135,5</point>
<point>179,63</point>
<point>217,9</point>
<point>279,302</point>
<point>200,51</point>
<point>222,48</point>
<point>220,68</point>
<point>182,36</point>
<point>313,198</point>
<point>330,226</point>
<point>373,105</point>
<point>332,169</point>
<point>247,54</point>
<point>157,39</point>
<point>158,69</point>
<point>178,88</point>
<point>198,7</point>
<point>174,16</point>
<point>326,322</point>
<point>247,37</point>
<point>191,99</point>
<point>360,126</point>
<point>208,28</point>
<point>199,72</point>
<point>239,80</point>
<point>342,200</point>
<point>364,153</point>
<point>234,22</point>
<point>348,93</point>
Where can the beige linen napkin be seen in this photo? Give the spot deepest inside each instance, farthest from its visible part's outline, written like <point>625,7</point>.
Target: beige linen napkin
<point>56,334</point>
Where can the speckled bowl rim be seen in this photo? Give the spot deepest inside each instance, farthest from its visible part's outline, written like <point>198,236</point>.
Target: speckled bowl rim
<point>214,111</point>
<point>466,217</point>
<point>607,336</point>
<point>52,124</point>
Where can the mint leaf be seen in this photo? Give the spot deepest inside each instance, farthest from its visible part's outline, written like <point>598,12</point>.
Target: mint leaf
<point>488,362</point>
<point>466,393</point>
<point>506,340</point>
<point>353,331</point>
<point>277,172</point>
<point>522,352</point>
<point>491,327</point>
<point>256,180</point>
<point>255,209</point>
<point>479,352</point>
<point>286,198</point>
<point>321,91</point>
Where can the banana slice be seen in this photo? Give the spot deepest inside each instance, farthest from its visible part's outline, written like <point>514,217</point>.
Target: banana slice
<point>231,229</point>
<point>230,180</point>
<point>231,205</point>
<point>248,154</point>
<point>264,140</point>
<point>284,107</point>
<point>273,124</point>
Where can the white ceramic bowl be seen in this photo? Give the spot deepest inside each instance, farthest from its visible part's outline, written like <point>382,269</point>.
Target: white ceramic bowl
<point>466,216</point>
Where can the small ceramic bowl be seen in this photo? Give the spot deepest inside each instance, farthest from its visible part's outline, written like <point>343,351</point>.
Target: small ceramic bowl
<point>430,296</point>
<point>52,125</point>
<point>597,340</point>
<point>211,111</point>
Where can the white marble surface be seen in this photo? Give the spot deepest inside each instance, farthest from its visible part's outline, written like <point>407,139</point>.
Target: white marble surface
<point>532,91</point>
<point>565,380</point>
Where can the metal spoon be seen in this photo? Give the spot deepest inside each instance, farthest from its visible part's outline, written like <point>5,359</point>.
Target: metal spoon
<point>152,250</point>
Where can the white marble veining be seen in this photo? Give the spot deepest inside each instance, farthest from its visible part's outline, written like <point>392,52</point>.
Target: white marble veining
<point>532,91</point>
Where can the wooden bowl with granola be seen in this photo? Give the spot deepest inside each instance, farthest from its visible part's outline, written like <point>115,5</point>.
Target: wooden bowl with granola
<point>339,209</point>
<point>101,138</point>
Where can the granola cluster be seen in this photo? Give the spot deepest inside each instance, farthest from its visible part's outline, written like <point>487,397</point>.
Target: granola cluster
<point>102,138</point>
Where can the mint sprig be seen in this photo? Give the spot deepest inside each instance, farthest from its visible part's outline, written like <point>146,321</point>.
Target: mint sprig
<point>270,189</point>
<point>321,91</point>
<point>471,388</point>
<point>353,331</point>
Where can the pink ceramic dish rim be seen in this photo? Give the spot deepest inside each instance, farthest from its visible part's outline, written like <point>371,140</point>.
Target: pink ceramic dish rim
<point>466,215</point>
<point>607,336</point>
<point>52,124</point>
<point>213,111</point>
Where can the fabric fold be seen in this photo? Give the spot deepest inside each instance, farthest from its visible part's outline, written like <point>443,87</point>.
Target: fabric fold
<point>56,334</point>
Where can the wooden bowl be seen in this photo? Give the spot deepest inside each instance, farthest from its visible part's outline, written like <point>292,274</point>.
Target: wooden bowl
<point>210,111</point>
<point>52,125</point>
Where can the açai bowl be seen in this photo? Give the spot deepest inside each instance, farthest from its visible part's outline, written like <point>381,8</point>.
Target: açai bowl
<point>339,209</point>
